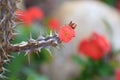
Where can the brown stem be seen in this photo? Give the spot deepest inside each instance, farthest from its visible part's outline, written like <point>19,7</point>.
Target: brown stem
<point>7,24</point>
<point>32,44</point>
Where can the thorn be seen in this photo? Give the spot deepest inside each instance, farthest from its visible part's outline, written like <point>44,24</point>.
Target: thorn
<point>28,55</point>
<point>5,70</point>
<point>3,51</point>
<point>37,52</point>
<point>8,41</point>
<point>40,38</point>
<point>14,34</point>
<point>31,39</point>
<point>27,52</point>
<point>55,33</point>
<point>6,61</point>
<point>51,34</point>
<point>10,56</point>
<point>48,49</point>
<point>56,42</point>
<point>14,26</point>
<point>39,49</point>
<point>3,77</point>
<point>28,58</point>
<point>50,52</point>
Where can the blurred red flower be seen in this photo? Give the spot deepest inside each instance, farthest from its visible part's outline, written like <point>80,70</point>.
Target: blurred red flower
<point>30,14</point>
<point>35,12</point>
<point>101,41</point>
<point>66,33</point>
<point>118,5</point>
<point>94,46</point>
<point>117,74</point>
<point>53,23</point>
<point>19,13</point>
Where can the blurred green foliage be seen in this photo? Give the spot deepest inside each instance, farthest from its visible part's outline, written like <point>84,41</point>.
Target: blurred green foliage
<point>110,2</point>
<point>92,69</point>
<point>19,68</point>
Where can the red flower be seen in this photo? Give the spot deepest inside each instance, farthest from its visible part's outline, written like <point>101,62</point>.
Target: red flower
<point>95,46</point>
<point>53,23</point>
<point>117,74</point>
<point>24,16</point>
<point>66,33</point>
<point>35,13</point>
<point>19,13</point>
<point>101,41</point>
<point>29,15</point>
<point>118,5</point>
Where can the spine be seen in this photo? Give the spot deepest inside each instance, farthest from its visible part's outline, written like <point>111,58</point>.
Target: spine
<point>7,8</point>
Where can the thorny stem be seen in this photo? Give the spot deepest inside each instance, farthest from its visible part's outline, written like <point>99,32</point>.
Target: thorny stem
<point>7,32</point>
<point>7,8</point>
<point>32,45</point>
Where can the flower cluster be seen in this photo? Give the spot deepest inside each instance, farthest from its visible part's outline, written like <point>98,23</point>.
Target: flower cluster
<point>65,33</point>
<point>30,14</point>
<point>94,46</point>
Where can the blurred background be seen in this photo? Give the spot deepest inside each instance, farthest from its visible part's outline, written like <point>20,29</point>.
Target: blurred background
<point>66,62</point>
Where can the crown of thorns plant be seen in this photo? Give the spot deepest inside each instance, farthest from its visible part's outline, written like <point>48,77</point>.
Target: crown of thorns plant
<point>7,32</point>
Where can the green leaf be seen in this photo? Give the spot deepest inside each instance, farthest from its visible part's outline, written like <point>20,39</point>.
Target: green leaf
<point>30,77</point>
<point>110,2</point>
<point>105,70</point>
<point>78,60</point>
<point>33,75</point>
<point>15,66</point>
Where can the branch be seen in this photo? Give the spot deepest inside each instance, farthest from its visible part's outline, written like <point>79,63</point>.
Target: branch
<point>35,45</point>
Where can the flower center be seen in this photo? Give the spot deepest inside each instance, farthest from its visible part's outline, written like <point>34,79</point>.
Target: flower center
<point>65,33</point>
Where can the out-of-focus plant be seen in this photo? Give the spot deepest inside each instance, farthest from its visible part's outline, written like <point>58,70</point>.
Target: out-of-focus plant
<point>94,46</point>
<point>53,23</point>
<point>117,74</point>
<point>110,2</point>
<point>97,63</point>
<point>27,39</point>
<point>113,3</point>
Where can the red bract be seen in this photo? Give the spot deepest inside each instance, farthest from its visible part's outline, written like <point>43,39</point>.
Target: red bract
<point>30,14</point>
<point>27,18</point>
<point>118,5</point>
<point>19,13</point>
<point>90,48</point>
<point>117,74</point>
<point>66,33</point>
<point>101,41</point>
<point>94,46</point>
<point>53,23</point>
<point>35,13</point>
